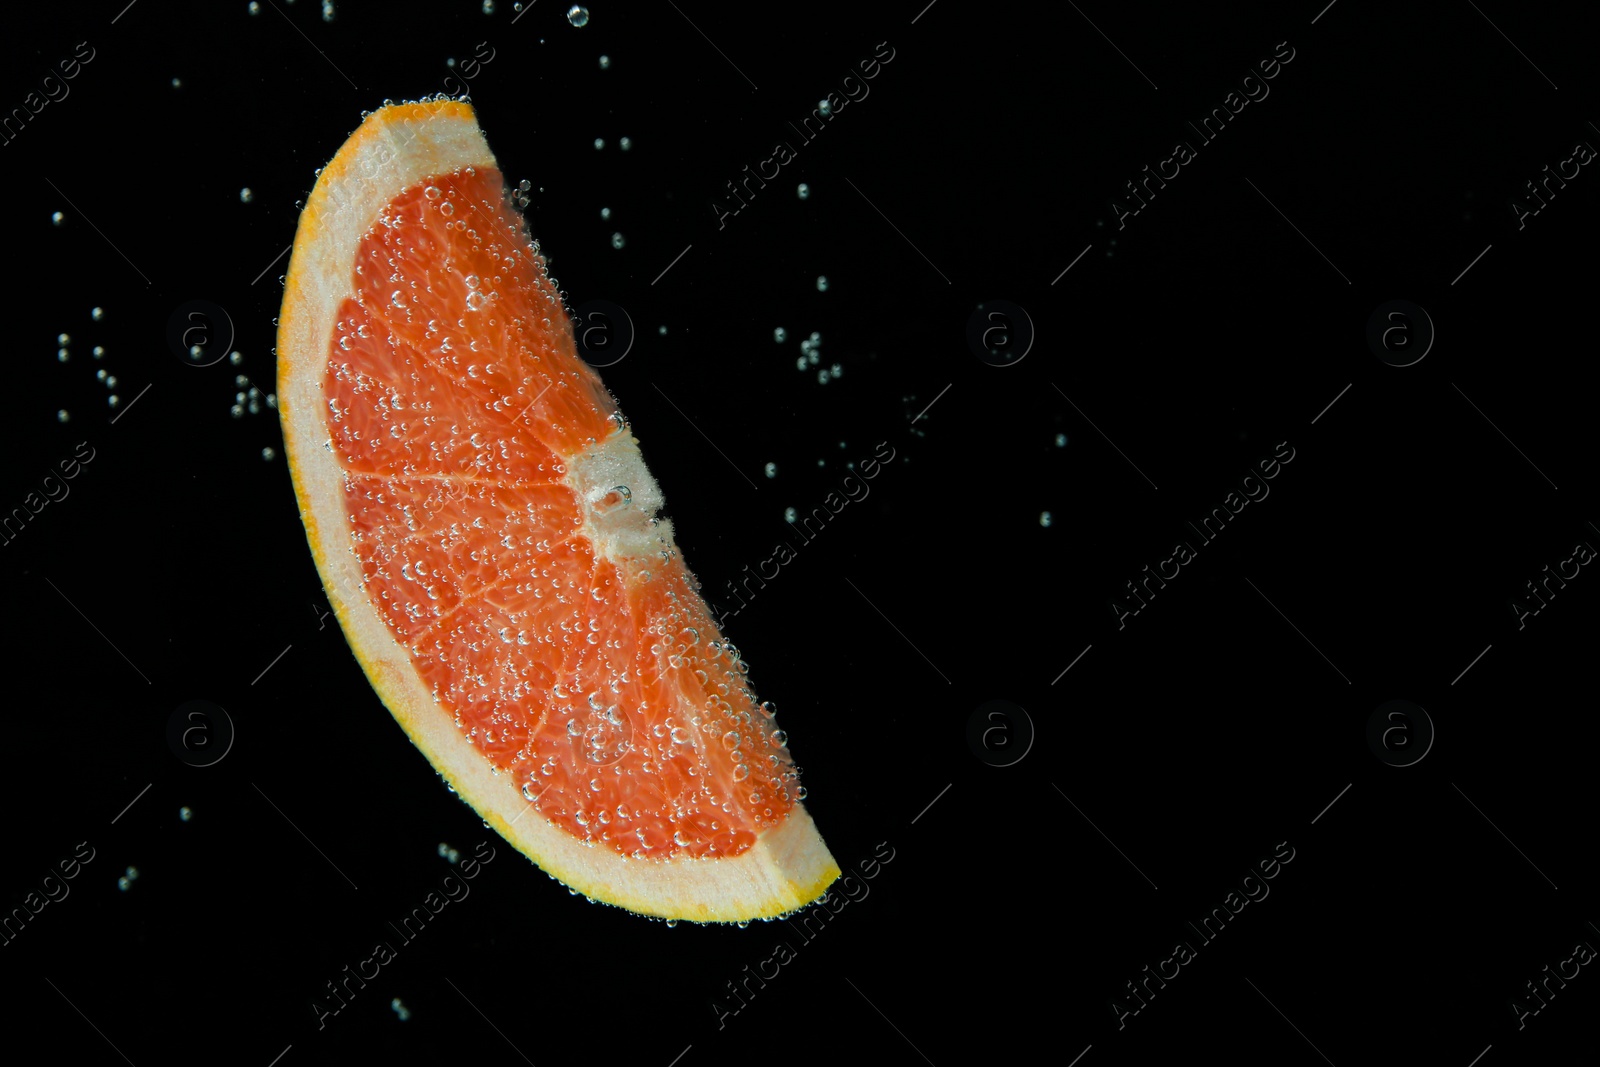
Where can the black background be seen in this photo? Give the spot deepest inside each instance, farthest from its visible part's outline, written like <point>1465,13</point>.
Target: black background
<point>1173,755</point>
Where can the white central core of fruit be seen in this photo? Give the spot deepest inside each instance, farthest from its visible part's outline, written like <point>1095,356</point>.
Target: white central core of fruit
<point>620,500</point>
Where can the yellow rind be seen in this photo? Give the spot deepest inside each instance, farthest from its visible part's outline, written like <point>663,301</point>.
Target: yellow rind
<point>394,149</point>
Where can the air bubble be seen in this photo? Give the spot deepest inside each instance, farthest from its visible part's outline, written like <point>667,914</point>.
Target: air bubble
<point>779,335</point>
<point>1044,518</point>
<point>578,15</point>
<point>771,470</point>
<point>605,62</point>
<point>803,191</point>
<point>617,240</point>
<point>245,195</point>
<point>822,284</point>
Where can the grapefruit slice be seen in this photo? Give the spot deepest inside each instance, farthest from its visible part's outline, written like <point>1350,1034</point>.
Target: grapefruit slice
<point>490,540</point>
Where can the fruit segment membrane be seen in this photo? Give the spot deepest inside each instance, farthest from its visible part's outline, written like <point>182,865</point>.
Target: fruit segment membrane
<point>546,608</point>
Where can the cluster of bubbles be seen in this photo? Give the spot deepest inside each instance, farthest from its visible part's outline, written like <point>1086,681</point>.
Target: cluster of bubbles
<point>448,853</point>
<point>394,1005</point>
<point>64,354</point>
<point>127,879</point>
<point>811,352</point>
<point>248,399</point>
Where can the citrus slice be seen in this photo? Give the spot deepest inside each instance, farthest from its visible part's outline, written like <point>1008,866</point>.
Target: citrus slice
<point>490,539</point>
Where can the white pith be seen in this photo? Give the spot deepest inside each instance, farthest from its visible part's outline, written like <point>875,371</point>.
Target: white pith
<point>621,526</point>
